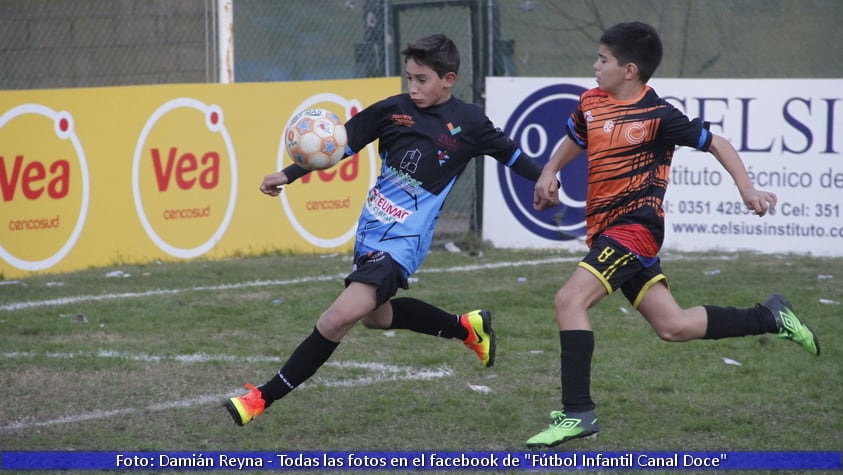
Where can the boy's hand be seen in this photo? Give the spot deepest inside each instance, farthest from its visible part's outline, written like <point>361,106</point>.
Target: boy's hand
<point>546,192</point>
<point>760,201</point>
<point>272,183</point>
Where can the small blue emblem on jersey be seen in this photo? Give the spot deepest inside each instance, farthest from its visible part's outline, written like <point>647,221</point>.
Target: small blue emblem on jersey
<point>443,157</point>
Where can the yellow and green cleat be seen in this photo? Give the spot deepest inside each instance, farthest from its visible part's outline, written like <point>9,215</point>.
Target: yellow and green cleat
<point>790,327</point>
<point>481,337</point>
<point>565,427</point>
<point>246,407</point>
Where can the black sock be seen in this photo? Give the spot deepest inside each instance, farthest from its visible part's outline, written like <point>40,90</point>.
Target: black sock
<point>418,316</point>
<point>577,348</point>
<point>311,353</point>
<point>727,322</point>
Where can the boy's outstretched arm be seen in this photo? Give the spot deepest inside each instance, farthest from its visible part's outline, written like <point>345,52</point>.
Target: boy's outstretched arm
<point>272,183</point>
<point>546,192</point>
<point>759,201</point>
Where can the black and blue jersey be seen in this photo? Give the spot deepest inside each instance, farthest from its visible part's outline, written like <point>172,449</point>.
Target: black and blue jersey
<point>423,152</point>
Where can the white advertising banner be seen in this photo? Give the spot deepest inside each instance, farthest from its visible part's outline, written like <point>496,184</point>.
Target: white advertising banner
<point>789,133</point>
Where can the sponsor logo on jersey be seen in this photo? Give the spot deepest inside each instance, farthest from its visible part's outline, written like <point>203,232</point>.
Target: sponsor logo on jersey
<point>384,209</point>
<point>410,161</point>
<point>443,157</point>
<point>636,132</point>
<point>403,120</point>
<point>402,180</point>
<point>448,143</point>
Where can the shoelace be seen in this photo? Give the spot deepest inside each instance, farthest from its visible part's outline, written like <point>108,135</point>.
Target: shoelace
<point>558,417</point>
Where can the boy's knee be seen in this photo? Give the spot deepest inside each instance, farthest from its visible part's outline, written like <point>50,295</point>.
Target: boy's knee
<point>672,333</point>
<point>334,325</point>
<point>565,302</point>
<point>373,324</point>
<point>376,321</point>
<point>561,299</point>
<point>669,334</point>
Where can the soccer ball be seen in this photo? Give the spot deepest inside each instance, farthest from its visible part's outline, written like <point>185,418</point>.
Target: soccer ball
<point>316,139</point>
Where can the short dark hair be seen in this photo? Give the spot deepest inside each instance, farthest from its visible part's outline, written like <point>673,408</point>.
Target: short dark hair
<point>436,51</point>
<point>635,42</point>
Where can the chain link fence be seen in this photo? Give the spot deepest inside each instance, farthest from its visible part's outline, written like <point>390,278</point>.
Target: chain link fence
<point>89,43</point>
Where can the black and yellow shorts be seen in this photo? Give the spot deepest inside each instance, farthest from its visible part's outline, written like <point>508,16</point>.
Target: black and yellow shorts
<point>619,268</point>
<point>377,268</point>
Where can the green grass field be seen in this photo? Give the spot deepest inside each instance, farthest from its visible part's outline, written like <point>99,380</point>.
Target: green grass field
<point>143,360</point>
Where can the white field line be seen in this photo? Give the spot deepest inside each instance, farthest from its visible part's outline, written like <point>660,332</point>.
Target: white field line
<point>262,283</point>
<point>382,372</point>
<point>379,373</point>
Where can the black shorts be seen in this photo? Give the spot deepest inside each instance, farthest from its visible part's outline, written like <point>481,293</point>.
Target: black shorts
<point>619,268</point>
<point>377,268</point>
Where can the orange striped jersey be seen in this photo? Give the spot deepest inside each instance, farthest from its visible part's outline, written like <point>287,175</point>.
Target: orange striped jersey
<point>630,145</point>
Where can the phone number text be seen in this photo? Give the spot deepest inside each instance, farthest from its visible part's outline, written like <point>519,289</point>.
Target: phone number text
<point>737,208</point>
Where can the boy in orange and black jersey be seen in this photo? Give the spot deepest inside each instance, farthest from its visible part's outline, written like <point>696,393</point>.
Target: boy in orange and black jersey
<point>630,134</point>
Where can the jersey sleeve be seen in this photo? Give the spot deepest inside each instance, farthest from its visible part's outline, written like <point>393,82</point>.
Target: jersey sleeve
<point>576,127</point>
<point>494,142</point>
<point>680,130</point>
<point>364,127</point>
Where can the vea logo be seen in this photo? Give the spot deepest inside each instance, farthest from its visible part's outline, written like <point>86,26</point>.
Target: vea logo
<point>184,177</point>
<point>538,124</point>
<point>323,205</point>
<point>44,186</point>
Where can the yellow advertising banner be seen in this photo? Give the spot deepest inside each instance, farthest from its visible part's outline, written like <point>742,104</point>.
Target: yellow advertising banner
<point>107,176</point>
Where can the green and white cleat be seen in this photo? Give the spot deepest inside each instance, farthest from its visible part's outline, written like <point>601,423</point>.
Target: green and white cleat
<point>565,427</point>
<point>790,327</point>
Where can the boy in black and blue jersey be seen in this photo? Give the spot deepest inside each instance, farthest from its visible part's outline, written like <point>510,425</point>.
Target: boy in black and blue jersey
<point>426,139</point>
